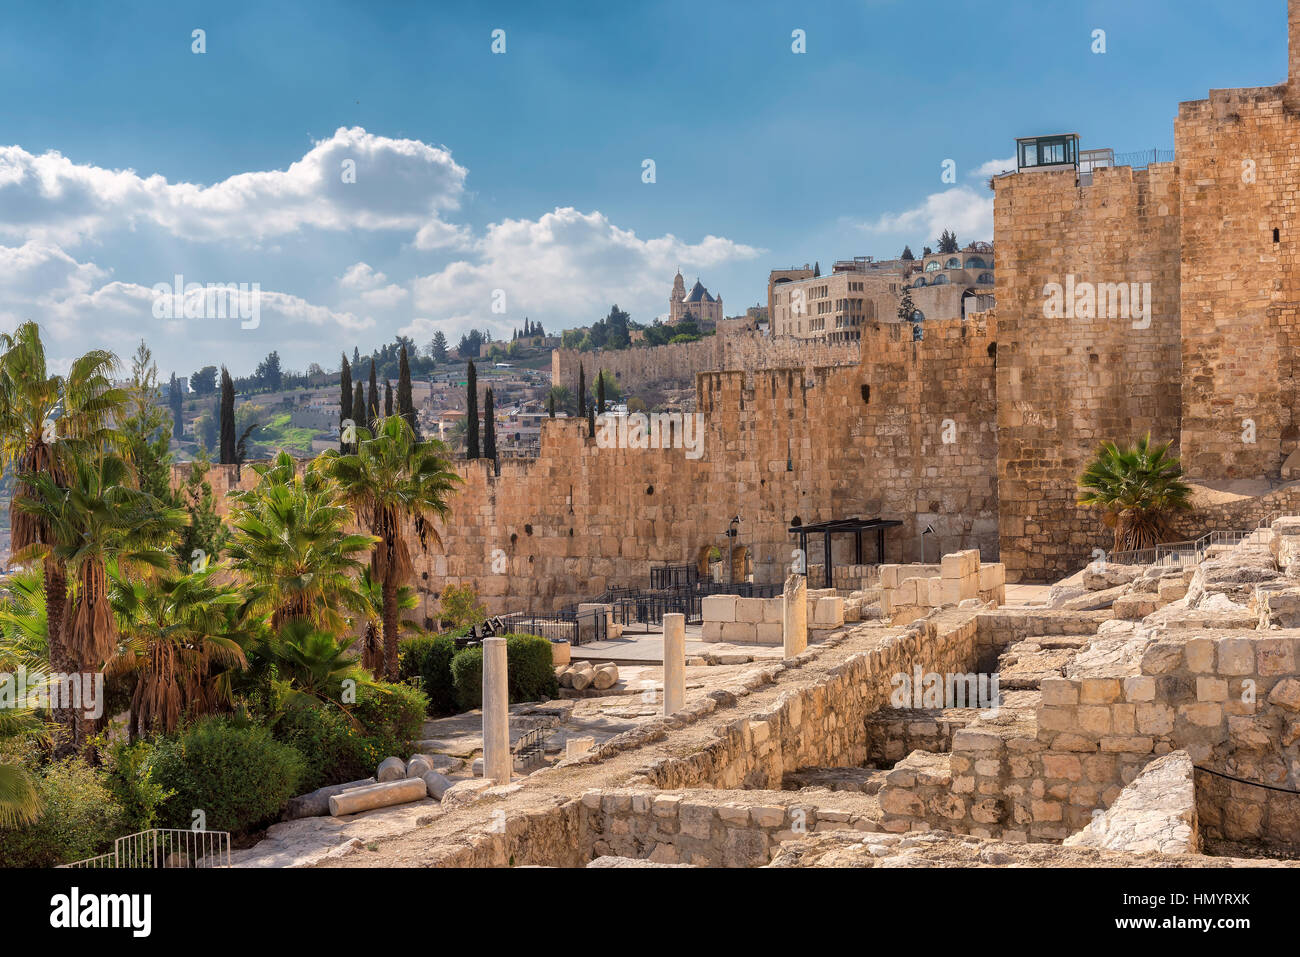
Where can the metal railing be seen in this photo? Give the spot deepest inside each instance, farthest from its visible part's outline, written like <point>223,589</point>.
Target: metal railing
<point>164,848</point>
<point>1182,554</point>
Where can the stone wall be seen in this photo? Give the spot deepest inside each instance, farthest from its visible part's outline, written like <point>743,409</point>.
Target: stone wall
<point>677,364</point>
<point>778,445</point>
<point>1240,296</point>
<point>823,724</point>
<point>1066,383</point>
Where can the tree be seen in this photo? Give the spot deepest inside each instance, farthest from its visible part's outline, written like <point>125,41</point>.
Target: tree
<point>205,430</point>
<point>177,403</point>
<point>227,456</point>
<point>560,398</point>
<point>600,392</point>
<point>372,399</point>
<point>471,343</point>
<point>388,398</point>
<point>39,414</point>
<point>205,536</point>
<point>1136,489</point>
<point>405,400</point>
<point>372,639</point>
<point>489,427</point>
<point>907,254</point>
<point>906,307</point>
<point>178,646</point>
<point>345,399</point>
<point>608,392</point>
<point>438,347</point>
<point>289,538</point>
<point>204,382</point>
<point>582,390</point>
<point>471,412</point>
<point>459,607</point>
<point>96,517</point>
<point>268,373</point>
<point>392,480</point>
<point>817,270</point>
<point>145,432</point>
<point>948,242</point>
<point>358,407</point>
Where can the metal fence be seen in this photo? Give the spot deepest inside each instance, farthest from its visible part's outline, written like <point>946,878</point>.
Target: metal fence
<point>1182,554</point>
<point>164,848</point>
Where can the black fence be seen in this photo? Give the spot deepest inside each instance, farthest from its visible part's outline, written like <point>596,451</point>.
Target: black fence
<point>567,624</point>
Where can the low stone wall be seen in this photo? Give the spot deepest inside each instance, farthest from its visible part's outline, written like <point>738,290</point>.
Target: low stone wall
<point>894,733</point>
<point>823,724</point>
<point>671,828</point>
<point>908,591</point>
<point>742,620</point>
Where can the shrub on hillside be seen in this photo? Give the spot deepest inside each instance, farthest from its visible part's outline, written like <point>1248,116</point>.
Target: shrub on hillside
<point>79,819</point>
<point>131,778</point>
<point>238,775</point>
<point>467,676</point>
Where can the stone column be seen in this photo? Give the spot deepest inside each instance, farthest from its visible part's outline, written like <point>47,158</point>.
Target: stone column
<point>496,712</point>
<point>674,663</point>
<point>794,616</point>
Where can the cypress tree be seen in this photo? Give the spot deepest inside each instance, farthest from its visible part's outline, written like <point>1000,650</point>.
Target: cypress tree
<point>405,402</point>
<point>550,405</point>
<point>591,421</point>
<point>582,390</point>
<point>388,398</point>
<point>227,419</point>
<point>358,408</point>
<point>600,392</point>
<point>489,426</point>
<point>372,401</point>
<point>176,401</point>
<point>471,413</point>
<point>345,398</point>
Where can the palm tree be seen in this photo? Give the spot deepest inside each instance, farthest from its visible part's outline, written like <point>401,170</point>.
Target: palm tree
<point>312,664</point>
<point>392,479</point>
<point>372,639</point>
<point>95,519</point>
<point>19,801</point>
<point>289,538</point>
<point>1136,489</point>
<point>174,645</point>
<point>39,412</point>
<point>24,625</point>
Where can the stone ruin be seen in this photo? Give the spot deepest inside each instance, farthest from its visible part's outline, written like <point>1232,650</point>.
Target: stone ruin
<point>1146,716</point>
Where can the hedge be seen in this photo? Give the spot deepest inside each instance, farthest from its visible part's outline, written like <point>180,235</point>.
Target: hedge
<point>529,668</point>
<point>428,658</point>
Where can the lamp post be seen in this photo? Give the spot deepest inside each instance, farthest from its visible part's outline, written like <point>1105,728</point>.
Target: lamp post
<point>733,529</point>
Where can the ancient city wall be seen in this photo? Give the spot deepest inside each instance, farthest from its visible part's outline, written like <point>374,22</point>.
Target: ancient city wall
<point>778,445</point>
<point>1240,298</point>
<point>1067,382</point>
<point>677,364</point>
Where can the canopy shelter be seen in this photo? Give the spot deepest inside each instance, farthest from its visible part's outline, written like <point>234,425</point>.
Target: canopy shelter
<point>841,526</point>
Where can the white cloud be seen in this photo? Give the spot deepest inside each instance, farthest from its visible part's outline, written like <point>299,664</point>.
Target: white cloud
<point>994,167</point>
<point>399,184</point>
<point>963,210</point>
<point>561,268</point>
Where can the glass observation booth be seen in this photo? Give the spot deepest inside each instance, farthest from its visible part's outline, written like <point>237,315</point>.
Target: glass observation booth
<point>1060,151</point>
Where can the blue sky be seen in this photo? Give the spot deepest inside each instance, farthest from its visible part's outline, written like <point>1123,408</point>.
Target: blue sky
<point>125,158</point>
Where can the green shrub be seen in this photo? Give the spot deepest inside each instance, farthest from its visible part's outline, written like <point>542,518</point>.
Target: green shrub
<point>531,668</point>
<point>428,658</point>
<point>130,776</point>
<point>530,672</point>
<point>79,819</point>
<point>238,775</point>
<point>467,676</point>
<point>334,750</point>
<point>395,712</point>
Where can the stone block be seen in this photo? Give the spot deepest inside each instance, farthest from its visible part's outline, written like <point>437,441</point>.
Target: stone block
<point>749,610</point>
<point>721,608</point>
<point>961,564</point>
